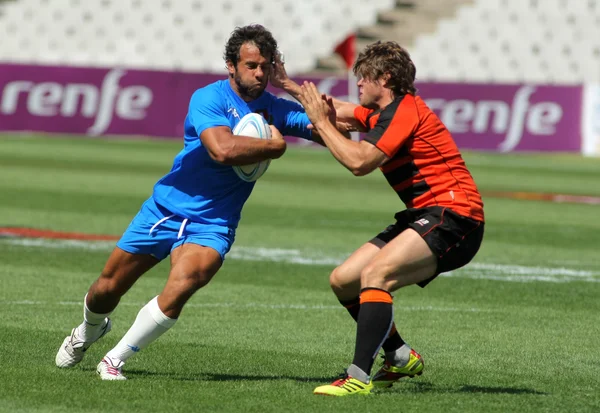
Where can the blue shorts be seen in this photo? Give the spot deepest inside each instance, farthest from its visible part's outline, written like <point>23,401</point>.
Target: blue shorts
<point>157,231</point>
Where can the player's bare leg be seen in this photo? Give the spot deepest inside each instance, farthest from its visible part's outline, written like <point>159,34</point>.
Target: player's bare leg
<point>405,260</point>
<point>120,272</point>
<point>345,283</point>
<point>345,279</point>
<point>192,267</point>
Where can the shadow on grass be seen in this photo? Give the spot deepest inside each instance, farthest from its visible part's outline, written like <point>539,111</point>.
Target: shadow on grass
<point>135,373</point>
<point>404,387</point>
<point>498,390</point>
<point>427,387</point>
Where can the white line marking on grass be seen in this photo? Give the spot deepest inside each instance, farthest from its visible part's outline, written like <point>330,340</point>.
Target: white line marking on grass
<point>291,256</point>
<point>521,273</point>
<point>318,307</point>
<point>60,243</point>
<point>476,270</point>
<point>578,199</point>
<point>573,262</point>
<point>521,279</point>
<point>523,270</point>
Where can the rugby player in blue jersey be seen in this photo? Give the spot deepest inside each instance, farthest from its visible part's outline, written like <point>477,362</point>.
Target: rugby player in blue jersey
<point>194,210</point>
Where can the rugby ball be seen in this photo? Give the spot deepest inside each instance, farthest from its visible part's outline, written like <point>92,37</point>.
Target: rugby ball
<point>255,126</point>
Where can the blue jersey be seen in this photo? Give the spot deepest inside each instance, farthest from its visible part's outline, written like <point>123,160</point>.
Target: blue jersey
<point>205,191</point>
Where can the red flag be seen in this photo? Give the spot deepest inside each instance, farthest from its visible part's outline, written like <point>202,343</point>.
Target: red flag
<point>347,49</point>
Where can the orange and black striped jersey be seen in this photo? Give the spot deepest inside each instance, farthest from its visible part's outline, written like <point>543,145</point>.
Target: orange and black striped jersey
<point>425,167</point>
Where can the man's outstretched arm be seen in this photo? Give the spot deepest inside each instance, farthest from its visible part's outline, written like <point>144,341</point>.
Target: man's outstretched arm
<point>345,121</point>
<point>360,158</point>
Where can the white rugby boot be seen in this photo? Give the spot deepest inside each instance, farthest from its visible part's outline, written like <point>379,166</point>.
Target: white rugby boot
<point>111,369</point>
<point>73,348</point>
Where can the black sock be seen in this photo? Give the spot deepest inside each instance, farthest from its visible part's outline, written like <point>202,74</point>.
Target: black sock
<point>374,322</point>
<point>393,342</point>
<point>353,307</point>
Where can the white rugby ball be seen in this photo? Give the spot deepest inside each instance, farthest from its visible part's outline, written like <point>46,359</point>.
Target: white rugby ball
<point>255,126</point>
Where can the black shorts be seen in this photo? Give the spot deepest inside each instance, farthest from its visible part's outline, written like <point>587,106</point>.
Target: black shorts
<point>453,238</point>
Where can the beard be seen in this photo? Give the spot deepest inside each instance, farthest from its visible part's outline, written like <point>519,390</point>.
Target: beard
<point>252,91</point>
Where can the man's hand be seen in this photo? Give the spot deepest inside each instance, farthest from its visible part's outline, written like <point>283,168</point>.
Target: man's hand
<point>279,76</point>
<point>332,115</point>
<point>319,108</point>
<point>275,134</point>
<point>277,138</point>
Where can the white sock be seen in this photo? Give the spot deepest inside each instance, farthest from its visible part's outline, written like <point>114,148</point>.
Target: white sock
<point>149,325</point>
<point>399,357</point>
<point>357,373</point>
<point>92,323</point>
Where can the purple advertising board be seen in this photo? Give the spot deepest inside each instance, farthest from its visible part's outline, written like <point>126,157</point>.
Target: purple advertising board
<point>508,117</point>
<point>95,102</point>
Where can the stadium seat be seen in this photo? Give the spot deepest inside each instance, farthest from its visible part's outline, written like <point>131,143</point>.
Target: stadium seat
<point>552,41</point>
<point>172,34</point>
<point>484,40</point>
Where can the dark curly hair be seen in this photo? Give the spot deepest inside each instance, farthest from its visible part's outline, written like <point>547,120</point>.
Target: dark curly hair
<point>254,33</point>
<point>380,58</point>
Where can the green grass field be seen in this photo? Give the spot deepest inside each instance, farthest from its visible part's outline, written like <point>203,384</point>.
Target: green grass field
<point>517,330</point>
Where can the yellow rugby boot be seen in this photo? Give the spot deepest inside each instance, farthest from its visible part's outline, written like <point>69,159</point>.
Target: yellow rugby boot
<point>389,374</point>
<point>345,386</point>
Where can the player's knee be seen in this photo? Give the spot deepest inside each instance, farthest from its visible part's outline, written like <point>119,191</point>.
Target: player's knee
<point>107,285</point>
<point>372,275</point>
<point>337,279</point>
<point>194,280</point>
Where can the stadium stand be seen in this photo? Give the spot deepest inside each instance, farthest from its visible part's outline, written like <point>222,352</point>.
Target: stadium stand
<point>403,23</point>
<point>550,41</point>
<point>172,34</point>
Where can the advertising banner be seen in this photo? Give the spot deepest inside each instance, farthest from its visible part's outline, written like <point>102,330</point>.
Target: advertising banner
<point>591,120</point>
<point>96,101</point>
<point>509,117</point>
